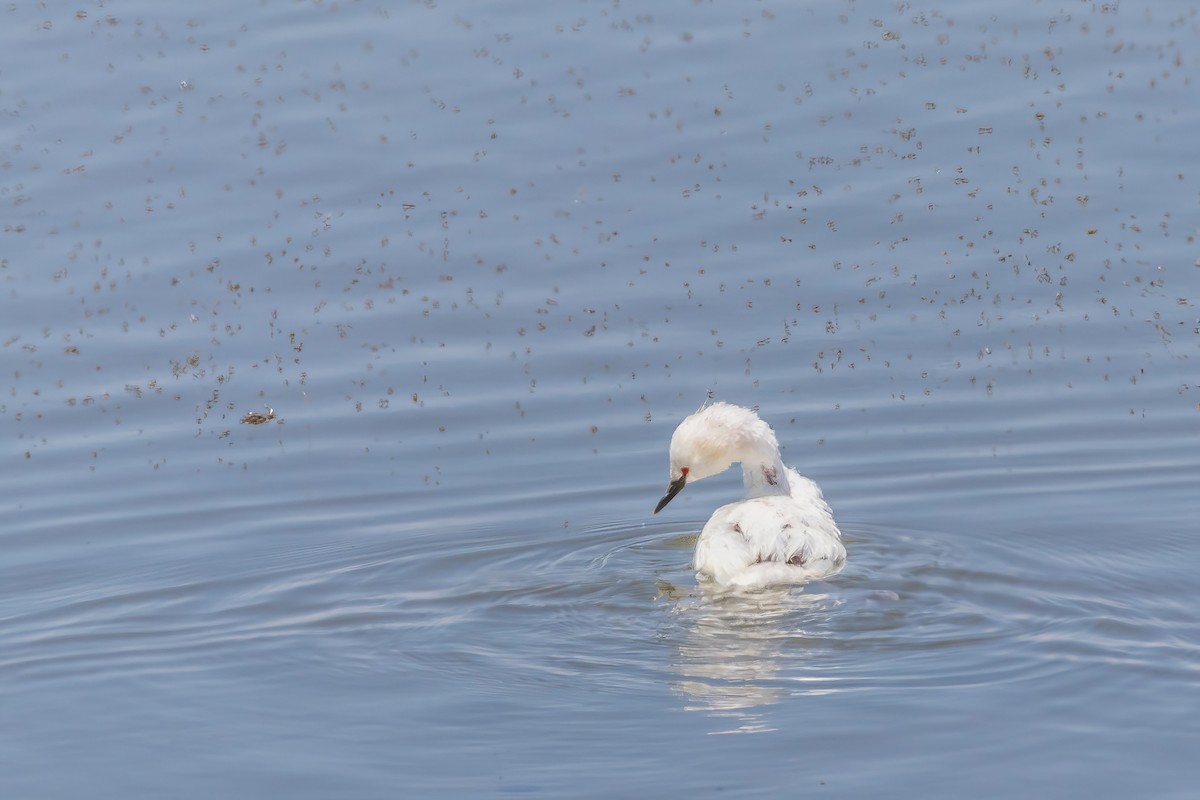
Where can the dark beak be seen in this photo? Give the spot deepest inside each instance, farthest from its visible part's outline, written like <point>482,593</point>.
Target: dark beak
<point>672,490</point>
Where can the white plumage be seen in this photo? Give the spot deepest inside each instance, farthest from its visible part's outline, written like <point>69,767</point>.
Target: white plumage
<point>783,532</point>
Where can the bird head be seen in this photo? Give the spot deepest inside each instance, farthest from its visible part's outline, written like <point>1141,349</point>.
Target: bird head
<point>710,441</point>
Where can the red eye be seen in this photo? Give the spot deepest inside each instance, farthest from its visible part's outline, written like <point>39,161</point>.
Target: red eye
<point>683,470</point>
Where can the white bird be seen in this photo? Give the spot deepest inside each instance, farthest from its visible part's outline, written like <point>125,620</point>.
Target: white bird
<point>783,532</point>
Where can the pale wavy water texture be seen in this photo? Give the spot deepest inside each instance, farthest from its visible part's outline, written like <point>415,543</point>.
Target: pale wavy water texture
<point>479,262</point>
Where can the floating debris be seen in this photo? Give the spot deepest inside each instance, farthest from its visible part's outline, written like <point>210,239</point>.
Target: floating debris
<point>255,418</point>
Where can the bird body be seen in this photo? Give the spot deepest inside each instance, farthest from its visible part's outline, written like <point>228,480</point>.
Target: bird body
<point>782,532</point>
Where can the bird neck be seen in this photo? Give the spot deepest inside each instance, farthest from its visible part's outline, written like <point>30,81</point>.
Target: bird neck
<point>765,476</point>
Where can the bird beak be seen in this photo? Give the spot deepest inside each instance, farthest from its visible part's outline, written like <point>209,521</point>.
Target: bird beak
<point>672,490</point>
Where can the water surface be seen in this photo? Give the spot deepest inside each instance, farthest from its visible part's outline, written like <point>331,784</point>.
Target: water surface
<point>476,264</point>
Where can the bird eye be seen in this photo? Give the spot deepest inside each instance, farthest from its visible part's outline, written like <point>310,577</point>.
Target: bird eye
<point>684,470</point>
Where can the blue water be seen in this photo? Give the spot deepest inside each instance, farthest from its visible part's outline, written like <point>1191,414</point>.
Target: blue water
<point>476,264</point>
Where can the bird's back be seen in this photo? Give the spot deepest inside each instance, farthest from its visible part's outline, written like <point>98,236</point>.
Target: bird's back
<point>770,540</point>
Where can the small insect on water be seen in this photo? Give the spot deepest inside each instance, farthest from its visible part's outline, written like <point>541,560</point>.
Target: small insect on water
<point>256,418</point>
